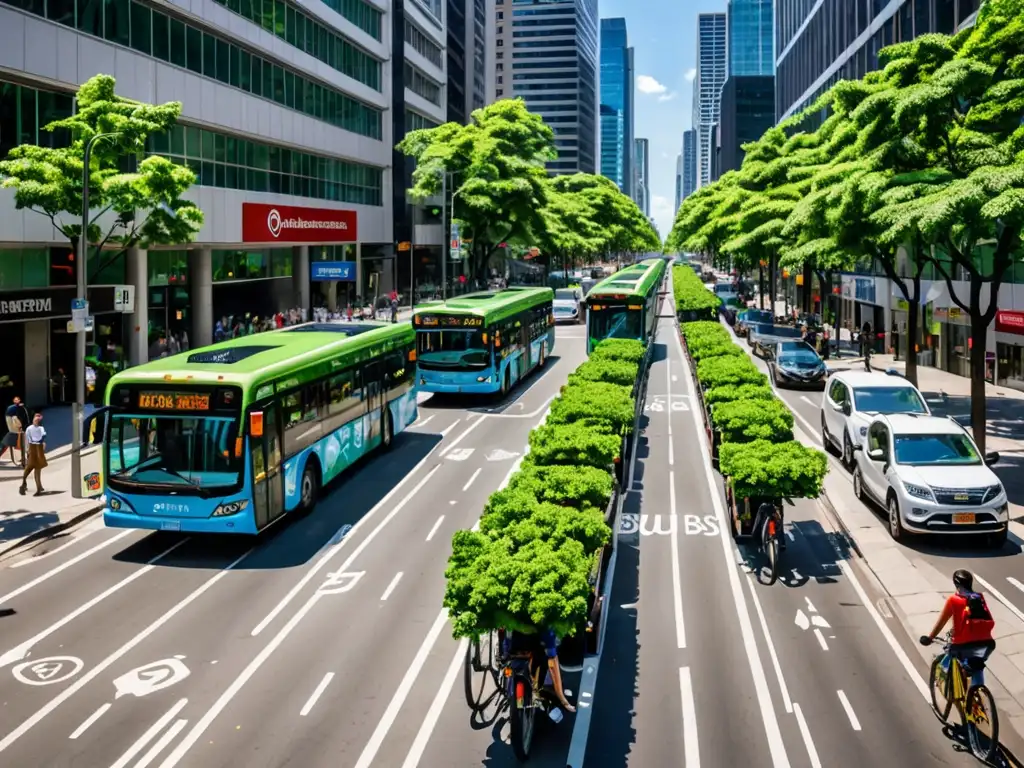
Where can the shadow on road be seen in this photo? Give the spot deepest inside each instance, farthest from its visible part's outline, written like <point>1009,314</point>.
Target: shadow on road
<point>17,524</point>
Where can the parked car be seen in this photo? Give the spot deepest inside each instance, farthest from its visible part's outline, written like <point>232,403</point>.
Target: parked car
<point>568,305</point>
<point>751,316</point>
<point>730,308</point>
<point>795,365</point>
<point>768,337</point>
<point>928,474</point>
<point>853,398</point>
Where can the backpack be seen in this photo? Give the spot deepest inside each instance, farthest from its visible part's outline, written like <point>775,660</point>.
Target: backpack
<point>977,615</point>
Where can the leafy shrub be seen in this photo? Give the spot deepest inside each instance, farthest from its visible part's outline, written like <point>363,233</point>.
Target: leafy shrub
<point>700,330</point>
<point>729,392</point>
<point>594,403</point>
<point>714,348</point>
<point>719,371</point>
<point>628,350</point>
<point>742,421</point>
<point>574,445</point>
<point>773,470</point>
<point>607,370</point>
<point>690,293</point>
<point>575,486</point>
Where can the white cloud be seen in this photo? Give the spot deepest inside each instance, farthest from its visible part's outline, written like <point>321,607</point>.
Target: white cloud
<point>661,205</point>
<point>647,84</point>
<point>690,75</point>
<point>667,96</point>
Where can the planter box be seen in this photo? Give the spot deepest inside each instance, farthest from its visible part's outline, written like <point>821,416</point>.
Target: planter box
<point>743,511</point>
<point>692,315</point>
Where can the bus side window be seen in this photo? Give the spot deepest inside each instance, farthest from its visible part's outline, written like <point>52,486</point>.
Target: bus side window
<point>340,388</point>
<point>397,369</point>
<point>291,407</point>
<point>310,395</point>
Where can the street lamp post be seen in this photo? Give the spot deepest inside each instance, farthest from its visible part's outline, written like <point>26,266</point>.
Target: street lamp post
<point>80,289</point>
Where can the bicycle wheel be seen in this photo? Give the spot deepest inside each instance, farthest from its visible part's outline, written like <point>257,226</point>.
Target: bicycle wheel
<point>521,719</point>
<point>982,723</point>
<point>770,546</point>
<point>469,667</point>
<point>939,682</point>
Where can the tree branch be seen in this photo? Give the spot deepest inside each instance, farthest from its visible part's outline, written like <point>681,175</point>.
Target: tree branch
<point>949,286</point>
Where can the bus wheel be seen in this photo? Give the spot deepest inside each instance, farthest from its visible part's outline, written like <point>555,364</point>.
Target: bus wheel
<point>387,429</point>
<point>543,358</point>
<point>310,487</point>
<point>504,383</point>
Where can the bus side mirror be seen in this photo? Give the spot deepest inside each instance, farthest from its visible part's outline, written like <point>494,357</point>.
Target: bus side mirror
<point>256,424</point>
<point>94,427</point>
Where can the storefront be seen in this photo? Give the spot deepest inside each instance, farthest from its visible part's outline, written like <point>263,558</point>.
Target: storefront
<point>335,280</point>
<point>1010,349</point>
<point>865,300</point>
<point>953,326</point>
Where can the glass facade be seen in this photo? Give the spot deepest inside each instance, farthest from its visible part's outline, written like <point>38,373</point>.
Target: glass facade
<point>24,268</point>
<point>707,88</point>
<point>25,111</point>
<point>421,85</point>
<point>150,32</point>
<point>751,37</point>
<point>616,104</point>
<point>414,121</point>
<point>251,264</point>
<point>360,13</point>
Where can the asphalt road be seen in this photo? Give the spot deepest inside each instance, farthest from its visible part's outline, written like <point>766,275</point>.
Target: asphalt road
<point>322,643</point>
<point>705,665</point>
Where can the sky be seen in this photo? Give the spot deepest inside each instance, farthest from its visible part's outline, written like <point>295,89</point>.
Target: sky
<point>663,34</point>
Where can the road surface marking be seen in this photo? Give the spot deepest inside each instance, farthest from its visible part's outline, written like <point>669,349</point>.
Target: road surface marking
<point>812,753</point>
<point>810,402</point>
<point>149,735</point>
<point>668,393</point>
<point>449,428</point>
<point>810,605</point>
<point>999,596</point>
<point>419,744</point>
<point>311,574</point>
<point>471,479</point>
<point>317,693</point>
<point>677,587</point>
<point>21,651</point>
<point>821,639</point>
<point>691,749</point>
<point>771,648</point>
<point>436,526</point>
<point>61,548</point>
<point>161,744</point>
<point>854,722</point>
<point>773,732</point>
<point>424,422</point>
<point>116,656</point>
<point>391,587</point>
<point>460,455</point>
<point>461,437</point>
<point>5,599</point>
<point>90,720</point>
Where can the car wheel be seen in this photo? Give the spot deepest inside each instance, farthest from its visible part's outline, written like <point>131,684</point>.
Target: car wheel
<point>309,488</point>
<point>895,521</point>
<point>826,438</point>
<point>847,451</point>
<point>858,484</point>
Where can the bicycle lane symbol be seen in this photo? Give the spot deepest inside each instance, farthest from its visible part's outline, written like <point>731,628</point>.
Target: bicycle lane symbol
<point>48,671</point>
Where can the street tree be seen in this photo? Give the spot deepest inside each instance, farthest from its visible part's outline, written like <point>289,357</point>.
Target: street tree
<point>493,171</point>
<point>128,209</point>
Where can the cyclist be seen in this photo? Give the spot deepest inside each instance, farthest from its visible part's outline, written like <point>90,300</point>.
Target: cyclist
<point>972,625</point>
<point>517,643</point>
<point>763,513</point>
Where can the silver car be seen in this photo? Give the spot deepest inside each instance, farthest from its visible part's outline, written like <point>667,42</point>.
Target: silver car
<point>568,305</point>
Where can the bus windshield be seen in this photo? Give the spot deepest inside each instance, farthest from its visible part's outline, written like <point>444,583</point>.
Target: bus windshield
<point>452,350</point>
<point>616,323</point>
<point>177,451</point>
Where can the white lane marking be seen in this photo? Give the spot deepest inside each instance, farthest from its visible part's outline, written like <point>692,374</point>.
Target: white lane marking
<point>854,722</point>
<point>1015,583</point>
<point>812,753</point>
<point>317,693</point>
<point>668,394</point>
<point>4,599</point>
<point>449,428</point>
<point>810,605</point>
<point>465,433</point>
<point>677,587</point>
<point>21,651</point>
<point>419,744</point>
<point>691,748</point>
<point>116,656</point>
<point>471,479</point>
<point>901,655</point>
<point>311,574</point>
<point>436,526</point>
<point>776,745</point>
<point>791,536</point>
<point>1000,597</point>
<point>460,455</point>
<point>424,422</point>
<point>391,587</point>
<point>162,742</point>
<point>411,675</point>
<point>150,734</point>
<point>90,720</point>
<point>771,648</point>
<point>810,402</point>
<point>58,550</point>
<point>821,639</point>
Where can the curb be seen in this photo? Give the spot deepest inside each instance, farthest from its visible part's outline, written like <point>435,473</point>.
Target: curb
<point>48,532</point>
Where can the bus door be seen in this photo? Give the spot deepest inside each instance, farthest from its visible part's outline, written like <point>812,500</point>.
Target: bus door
<point>373,395</point>
<point>526,361</point>
<point>267,477</point>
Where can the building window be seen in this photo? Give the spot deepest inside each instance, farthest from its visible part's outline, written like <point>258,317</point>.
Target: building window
<point>360,13</point>
<point>423,45</point>
<point>414,121</point>
<point>499,93</point>
<point>24,268</point>
<point>421,85</point>
<point>251,264</point>
<point>167,268</point>
<point>210,56</point>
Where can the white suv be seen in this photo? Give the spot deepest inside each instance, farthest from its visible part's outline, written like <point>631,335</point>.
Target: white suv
<point>929,475</point>
<point>853,398</point>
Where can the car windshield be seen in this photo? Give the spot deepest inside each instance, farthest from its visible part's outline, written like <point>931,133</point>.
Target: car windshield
<point>174,450</point>
<point>785,332</point>
<point>761,328</point>
<point>935,450</point>
<point>565,294</point>
<point>888,400</point>
<point>616,323</point>
<point>798,353</point>
<point>452,350</point>
<point>758,316</point>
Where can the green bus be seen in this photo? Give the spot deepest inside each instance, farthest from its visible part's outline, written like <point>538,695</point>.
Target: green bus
<point>625,305</point>
<point>484,342</point>
<point>229,438</point>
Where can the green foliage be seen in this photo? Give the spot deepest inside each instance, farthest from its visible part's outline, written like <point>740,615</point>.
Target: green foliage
<point>628,350</point>
<point>594,403</point>
<point>609,371</point>
<point>765,469</point>
<point>708,339</point>
<point>729,392</point>
<point>574,444</point>
<point>720,371</point>
<point>691,294</point>
<point>742,421</point>
<point>574,486</point>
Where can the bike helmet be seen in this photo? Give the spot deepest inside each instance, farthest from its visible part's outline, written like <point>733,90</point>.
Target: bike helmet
<point>962,579</point>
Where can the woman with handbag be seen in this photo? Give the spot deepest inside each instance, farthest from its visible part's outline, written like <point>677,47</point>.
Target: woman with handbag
<point>36,437</point>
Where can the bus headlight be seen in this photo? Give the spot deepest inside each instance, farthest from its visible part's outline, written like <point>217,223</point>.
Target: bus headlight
<point>483,379</point>
<point>115,503</point>
<point>231,508</point>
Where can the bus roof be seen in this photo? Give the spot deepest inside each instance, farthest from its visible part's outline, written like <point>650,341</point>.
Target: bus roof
<point>637,280</point>
<point>490,305</point>
<point>251,360</point>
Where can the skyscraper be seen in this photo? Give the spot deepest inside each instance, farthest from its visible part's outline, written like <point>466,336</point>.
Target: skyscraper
<point>751,37</point>
<point>689,158</point>
<point>555,72</point>
<point>679,181</point>
<point>642,175</point>
<point>707,87</point>
<point>466,28</point>
<point>616,104</point>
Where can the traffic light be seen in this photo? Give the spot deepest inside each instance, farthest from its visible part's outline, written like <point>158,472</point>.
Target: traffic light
<point>433,214</point>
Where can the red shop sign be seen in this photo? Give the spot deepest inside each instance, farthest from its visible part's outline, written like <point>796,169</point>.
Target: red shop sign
<point>263,223</point>
<point>1010,322</point>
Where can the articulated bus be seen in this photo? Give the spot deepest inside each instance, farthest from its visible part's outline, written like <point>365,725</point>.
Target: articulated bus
<point>625,305</point>
<point>229,438</point>
<point>484,342</point>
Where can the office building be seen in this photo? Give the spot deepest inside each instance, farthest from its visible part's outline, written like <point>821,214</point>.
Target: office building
<point>616,104</point>
<point>642,175</point>
<point>689,163</point>
<point>546,51</point>
<point>679,182</point>
<point>818,44</point>
<point>748,110</point>
<point>751,36</point>
<point>707,87</point>
<point>468,73</point>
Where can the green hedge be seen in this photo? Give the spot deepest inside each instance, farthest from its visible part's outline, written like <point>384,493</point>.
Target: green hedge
<point>742,421</point>
<point>720,371</point>
<point>786,470</point>
<point>729,392</point>
<point>530,563</point>
<point>690,293</point>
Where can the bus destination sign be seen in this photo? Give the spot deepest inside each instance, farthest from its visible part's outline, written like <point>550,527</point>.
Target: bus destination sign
<point>174,401</point>
<point>453,321</point>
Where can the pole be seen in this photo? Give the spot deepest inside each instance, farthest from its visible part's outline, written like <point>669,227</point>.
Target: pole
<point>446,234</point>
<point>412,261</point>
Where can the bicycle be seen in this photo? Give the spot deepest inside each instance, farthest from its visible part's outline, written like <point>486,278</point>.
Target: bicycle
<point>483,654</point>
<point>767,529</point>
<point>974,702</point>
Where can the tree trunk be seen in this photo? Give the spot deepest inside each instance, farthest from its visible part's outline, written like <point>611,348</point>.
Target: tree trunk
<point>771,283</point>
<point>760,285</point>
<point>913,315</point>
<point>979,338</point>
<point>808,279</point>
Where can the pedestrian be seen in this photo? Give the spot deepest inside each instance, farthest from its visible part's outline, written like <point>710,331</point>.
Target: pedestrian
<point>865,345</point>
<point>14,437</point>
<point>184,341</point>
<point>394,307</point>
<point>173,347</point>
<point>35,435</point>
<point>895,336</point>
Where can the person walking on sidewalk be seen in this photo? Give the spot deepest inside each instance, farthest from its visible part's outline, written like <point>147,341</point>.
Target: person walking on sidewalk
<point>35,435</point>
<point>17,420</point>
<point>865,345</point>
